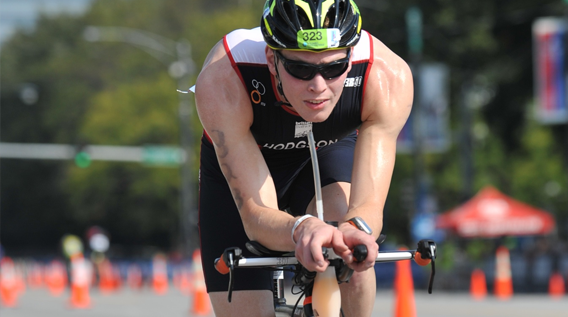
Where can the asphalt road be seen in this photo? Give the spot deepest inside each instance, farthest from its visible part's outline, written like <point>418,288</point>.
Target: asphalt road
<point>144,303</point>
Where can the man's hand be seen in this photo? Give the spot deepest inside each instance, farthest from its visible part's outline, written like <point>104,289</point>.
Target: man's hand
<point>311,236</point>
<point>352,237</point>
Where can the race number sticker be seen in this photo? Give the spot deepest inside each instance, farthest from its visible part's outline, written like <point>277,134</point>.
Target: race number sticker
<point>318,39</point>
<point>302,129</point>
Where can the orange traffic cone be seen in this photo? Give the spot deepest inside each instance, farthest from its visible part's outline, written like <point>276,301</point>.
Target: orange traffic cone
<point>34,275</point>
<point>116,278</point>
<point>185,282</point>
<point>20,281</point>
<point>405,305</point>
<point>556,288</point>
<point>80,282</point>
<point>56,278</point>
<point>182,279</point>
<point>201,301</point>
<point>9,288</point>
<point>503,278</point>
<point>159,274</point>
<point>176,277</point>
<point>106,277</point>
<point>478,285</point>
<point>134,276</point>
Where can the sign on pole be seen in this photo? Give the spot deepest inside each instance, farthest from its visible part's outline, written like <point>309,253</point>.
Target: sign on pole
<point>414,29</point>
<point>550,64</point>
<point>163,155</point>
<point>155,155</point>
<point>433,117</point>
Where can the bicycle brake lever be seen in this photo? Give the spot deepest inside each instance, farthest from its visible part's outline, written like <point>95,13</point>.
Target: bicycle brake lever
<point>231,266</point>
<point>230,256</point>
<point>381,239</point>
<point>433,266</point>
<point>427,250</point>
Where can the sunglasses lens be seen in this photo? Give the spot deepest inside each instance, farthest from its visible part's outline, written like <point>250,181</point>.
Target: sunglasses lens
<point>305,71</point>
<point>301,71</point>
<point>334,70</point>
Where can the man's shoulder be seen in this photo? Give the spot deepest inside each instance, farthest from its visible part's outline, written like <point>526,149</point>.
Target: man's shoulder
<point>253,34</point>
<point>381,51</point>
<point>388,70</point>
<point>246,46</point>
<point>364,49</point>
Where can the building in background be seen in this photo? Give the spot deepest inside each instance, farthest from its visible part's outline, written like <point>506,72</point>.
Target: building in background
<point>22,14</point>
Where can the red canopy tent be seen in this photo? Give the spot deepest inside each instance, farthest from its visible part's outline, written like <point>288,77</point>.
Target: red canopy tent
<point>491,213</point>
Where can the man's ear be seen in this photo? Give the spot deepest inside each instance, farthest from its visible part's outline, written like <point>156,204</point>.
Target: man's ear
<point>270,60</point>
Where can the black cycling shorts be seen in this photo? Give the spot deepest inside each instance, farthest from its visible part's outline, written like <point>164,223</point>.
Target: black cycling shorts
<point>220,225</point>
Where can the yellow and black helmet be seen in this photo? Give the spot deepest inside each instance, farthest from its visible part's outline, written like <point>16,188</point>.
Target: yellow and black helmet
<point>311,25</point>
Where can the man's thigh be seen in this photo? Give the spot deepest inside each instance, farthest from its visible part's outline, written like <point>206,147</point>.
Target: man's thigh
<point>335,198</point>
<point>336,166</point>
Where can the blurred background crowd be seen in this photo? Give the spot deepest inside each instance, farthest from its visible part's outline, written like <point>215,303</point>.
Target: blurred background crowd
<point>98,148</point>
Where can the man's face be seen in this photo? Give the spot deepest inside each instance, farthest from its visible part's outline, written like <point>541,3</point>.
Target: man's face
<point>312,98</point>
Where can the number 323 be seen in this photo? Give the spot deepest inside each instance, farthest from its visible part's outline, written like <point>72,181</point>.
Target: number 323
<point>313,36</point>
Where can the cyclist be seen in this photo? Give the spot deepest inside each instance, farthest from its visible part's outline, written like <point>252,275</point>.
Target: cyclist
<point>309,66</point>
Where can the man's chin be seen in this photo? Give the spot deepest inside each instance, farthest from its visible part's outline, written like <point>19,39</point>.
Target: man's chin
<point>314,119</point>
<point>315,116</point>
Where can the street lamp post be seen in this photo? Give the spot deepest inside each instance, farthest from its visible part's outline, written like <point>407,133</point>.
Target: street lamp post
<point>415,47</point>
<point>176,55</point>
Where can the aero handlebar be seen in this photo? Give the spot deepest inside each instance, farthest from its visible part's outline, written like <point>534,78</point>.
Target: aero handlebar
<point>232,258</point>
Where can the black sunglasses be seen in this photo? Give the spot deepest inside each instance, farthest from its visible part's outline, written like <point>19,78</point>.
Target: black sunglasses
<point>307,71</point>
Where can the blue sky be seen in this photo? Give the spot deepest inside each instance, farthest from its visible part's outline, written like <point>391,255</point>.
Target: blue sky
<point>23,13</point>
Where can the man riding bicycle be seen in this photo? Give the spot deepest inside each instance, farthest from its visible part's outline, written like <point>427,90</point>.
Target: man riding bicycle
<point>309,66</point>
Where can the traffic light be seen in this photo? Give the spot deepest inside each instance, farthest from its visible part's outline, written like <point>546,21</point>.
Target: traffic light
<point>82,158</point>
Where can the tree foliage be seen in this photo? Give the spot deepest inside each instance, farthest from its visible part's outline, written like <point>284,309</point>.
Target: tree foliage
<point>116,93</point>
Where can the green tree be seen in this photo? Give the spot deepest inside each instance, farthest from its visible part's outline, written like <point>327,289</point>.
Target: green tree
<point>132,201</point>
<point>489,40</point>
<point>33,202</point>
<point>115,93</point>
